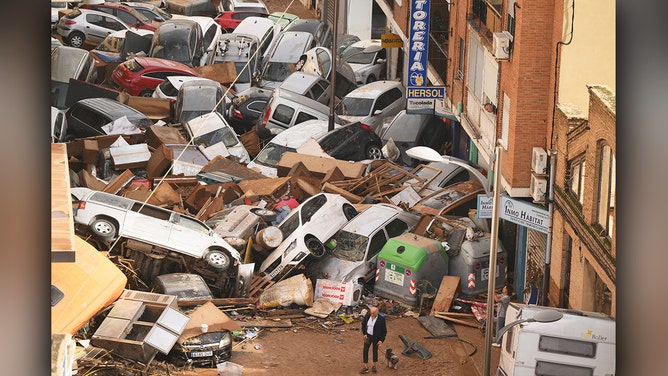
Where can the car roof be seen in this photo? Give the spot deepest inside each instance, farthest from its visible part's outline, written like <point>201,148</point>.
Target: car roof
<point>155,63</point>
<point>373,89</point>
<point>284,50</point>
<point>366,43</point>
<point>298,98</point>
<point>254,25</point>
<point>297,81</point>
<point>111,107</point>
<point>372,218</point>
<point>298,134</point>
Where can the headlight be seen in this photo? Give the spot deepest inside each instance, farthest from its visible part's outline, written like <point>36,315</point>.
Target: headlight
<point>225,341</point>
<point>290,248</point>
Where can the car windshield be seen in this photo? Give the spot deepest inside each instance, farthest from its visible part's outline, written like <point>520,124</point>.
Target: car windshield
<point>277,71</point>
<point>290,224</point>
<point>359,57</point>
<point>350,246</point>
<point>354,106</point>
<point>271,154</point>
<point>172,45</point>
<point>224,135</point>
<point>243,73</point>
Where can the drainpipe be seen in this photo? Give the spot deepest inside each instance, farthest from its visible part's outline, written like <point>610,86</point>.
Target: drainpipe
<point>548,243</point>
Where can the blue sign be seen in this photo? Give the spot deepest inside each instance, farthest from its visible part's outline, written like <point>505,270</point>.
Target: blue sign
<point>418,42</point>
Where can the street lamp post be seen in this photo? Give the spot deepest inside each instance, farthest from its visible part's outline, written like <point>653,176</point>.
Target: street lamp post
<point>549,315</point>
<point>425,153</point>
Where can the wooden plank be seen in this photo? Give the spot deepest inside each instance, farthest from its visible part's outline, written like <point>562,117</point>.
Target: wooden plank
<point>119,182</point>
<point>331,188</point>
<point>266,324</point>
<point>458,321</point>
<point>62,216</point>
<point>217,302</point>
<point>446,292</point>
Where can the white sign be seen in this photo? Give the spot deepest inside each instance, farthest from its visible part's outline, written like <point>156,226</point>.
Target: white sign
<point>516,211</point>
<point>335,291</point>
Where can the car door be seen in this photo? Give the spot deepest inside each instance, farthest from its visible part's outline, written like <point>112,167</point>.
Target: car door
<point>99,26</point>
<point>148,223</point>
<point>343,143</point>
<point>391,229</point>
<point>189,235</point>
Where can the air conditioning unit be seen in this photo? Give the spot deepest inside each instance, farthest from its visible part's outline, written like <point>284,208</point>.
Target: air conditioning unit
<point>538,188</point>
<point>501,44</point>
<point>539,161</point>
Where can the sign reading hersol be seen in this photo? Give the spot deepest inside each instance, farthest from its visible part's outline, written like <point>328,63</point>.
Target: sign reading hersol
<point>391,41</point>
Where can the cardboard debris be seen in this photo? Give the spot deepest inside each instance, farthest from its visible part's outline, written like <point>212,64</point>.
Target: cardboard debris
<point>131,156</point>
<point>214,318</point>
<point>263,187</point>
<point>163,135</point>
<point>319,166</point>
<point>322,307</point>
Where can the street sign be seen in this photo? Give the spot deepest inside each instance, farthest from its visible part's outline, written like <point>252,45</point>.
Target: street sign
<point>516,211</point>
<point>418,42</point>
<point>422,99</point>
<point>391,41</point>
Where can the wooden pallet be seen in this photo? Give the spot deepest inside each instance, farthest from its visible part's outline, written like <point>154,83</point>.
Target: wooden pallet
<point>259,284</point>
<point>385,180</point>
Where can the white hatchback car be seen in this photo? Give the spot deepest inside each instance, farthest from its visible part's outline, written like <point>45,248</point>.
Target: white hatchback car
<point>304,231</point>
<point>214,136</point>
<point>368,66</point>
<point>110,216</point>
<point>372,103</point>
<point>352,253</point>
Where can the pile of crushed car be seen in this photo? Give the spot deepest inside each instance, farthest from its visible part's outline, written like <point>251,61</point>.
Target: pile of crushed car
<point>181,195</point>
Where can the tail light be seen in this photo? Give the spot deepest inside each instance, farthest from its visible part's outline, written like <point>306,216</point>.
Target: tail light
<point>366,127</point>
<point>70,22</point>
<point>82,205</point>
<point>266,117</point>
<point>237,114</point>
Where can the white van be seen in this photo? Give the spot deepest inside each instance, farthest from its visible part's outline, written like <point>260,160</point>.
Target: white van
<point>288,140</point>
<point>110,216</point>
<point>285,109</point>
<point>579,344</point>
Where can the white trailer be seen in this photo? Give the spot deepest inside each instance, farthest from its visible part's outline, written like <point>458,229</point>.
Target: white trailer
<point>579,344</point>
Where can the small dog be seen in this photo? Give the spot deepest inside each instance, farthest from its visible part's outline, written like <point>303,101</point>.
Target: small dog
<point>392,359</point>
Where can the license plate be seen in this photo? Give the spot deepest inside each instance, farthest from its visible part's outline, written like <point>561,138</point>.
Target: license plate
<point>394,277</point>
<point>200,354</point>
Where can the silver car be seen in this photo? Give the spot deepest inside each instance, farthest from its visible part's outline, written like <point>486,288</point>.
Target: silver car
<point>352,253</point>
<point>81,26</point>
<point>110,216</point>
<point>372,103</point>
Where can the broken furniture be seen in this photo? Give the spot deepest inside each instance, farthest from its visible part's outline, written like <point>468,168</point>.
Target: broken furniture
<point>140,325</point>
<point>414,348</point>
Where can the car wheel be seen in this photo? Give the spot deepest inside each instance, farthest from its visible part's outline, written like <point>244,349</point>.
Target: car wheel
<point>104,228</point>
<point>371,78</point>
<point>266,215</point>
<point>218,260</point>
<point>76,39</point>
<point>374,152</point>
<point>146,93</point>
<point>349,211</point>
<point>314,246</point>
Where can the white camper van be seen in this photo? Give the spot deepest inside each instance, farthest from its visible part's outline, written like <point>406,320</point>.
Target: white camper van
<point>579,344</point>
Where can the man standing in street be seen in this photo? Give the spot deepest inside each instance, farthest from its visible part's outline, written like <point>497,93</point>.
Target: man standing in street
<point>504,300</point>
<point>374,331</point>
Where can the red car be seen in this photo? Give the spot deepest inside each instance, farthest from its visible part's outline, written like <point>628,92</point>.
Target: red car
<point>127,14</point>
<point>140,76</point>
<point>229,20</point>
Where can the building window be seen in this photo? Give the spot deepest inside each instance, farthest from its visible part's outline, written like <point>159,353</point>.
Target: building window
<point>577,174</point>
<point>510,18</point>
<point>462,55</point>
<point>606,189</point>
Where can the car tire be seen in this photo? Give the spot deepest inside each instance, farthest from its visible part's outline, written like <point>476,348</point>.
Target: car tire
<point>349,211</point>
<point>314,246</point>
<point>374,152</point>
<point>104,228</point>
<point>371,78</point>
<point>76,39</point>
<point>218,260</point>
<point>266,215</point>
<point>146,93</point>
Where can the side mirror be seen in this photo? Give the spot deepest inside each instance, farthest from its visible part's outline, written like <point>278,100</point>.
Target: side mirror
<point>377,112</point>
<point>380,61</point>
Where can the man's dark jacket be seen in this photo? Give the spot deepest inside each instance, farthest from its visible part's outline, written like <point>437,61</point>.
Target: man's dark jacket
<point>379,328</point>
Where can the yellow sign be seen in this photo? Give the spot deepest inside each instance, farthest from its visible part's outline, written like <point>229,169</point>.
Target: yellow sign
<point>391,41</point>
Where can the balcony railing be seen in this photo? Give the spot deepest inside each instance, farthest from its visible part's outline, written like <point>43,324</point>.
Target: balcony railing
<point>486,18</point>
